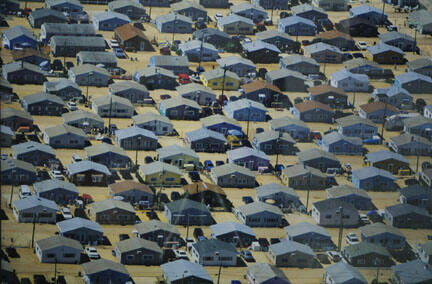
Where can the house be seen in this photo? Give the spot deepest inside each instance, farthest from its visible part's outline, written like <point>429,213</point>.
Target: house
<point>6,136</point>
<point>235,24</point>
<point>187,212</point>
<point>365,254</point>
<point>427,111</point>
<point>389,161</point>
<point>29,55</point>
<point>357,27</point>
<point>294,127</point>
<point>399,40</point>
<point>83,119</point>
<point>254,12</point>
<point>274,142</point>
<point>349,194</point>
<point>58,249</point>
<point>56,190</point>
<point>34,153</point>
<point>221,123</point>
<point>416,195</point>
<point>237,234</point>
<point>214,3</point>
<point>372,178</point>
<point>247,157</point>
<point>377,111</point>
<point>408,216</point>
<point>89,75</point>
<point>261,273</point>
<point>283,196</point>
<point>21,72</point>
<point>343,273</point>
<point>87,173</point>
<point>108,155</point>
<point>177,155</point>
<point>6,90</point>
<point>105,58</point>
<point>205,140</point>
<point>179,108</point>
<point>112,211</point>
<point>384,235</point>
<point>291,254</point>
<point>297,26</point>
<point>327,213</point>
<point>411,272</point>
<point>232,175</point>
<point>355,126</point>
<point>109,21</point>
<point>300,63</point>
<point>173,23</point>
<point>34,209</point>
<point>185,271</point>
<point>158,173</point>
<point>207,193</point>
<point>395,96</point>
<point>424,252</point>
<point>43,104</point>
<point>422,66</point>
<point>6,6</point>
<point>279,39</point>
<point>130,90</point>
<point>241,66</point>
<point>418,125</point>
<point>349,82</point>
<point>421,21</point>
<point>193,91</point>
<point>192,10</point>
<point>367,67</point>
<point>17,172</point>
<point>15,118</point>
<point>339,144</point>
<point>218,79</point>
<point>213,36</point>
<point>260,214</point>
<point>374,15</point>
<point>156,78</point>
<point>197,51</point>
<point>310,12</point>
<point>383,53</point>
<point>263,92</point>
<point>157,231</point>
<point>130,8</point>
<point>155,3</point>
<point>131,191</point>
<point>18,37</point>
<point>410,144</point>
<point>49,30</point>
<point>319,159</point>
<point>314,236</point>
<point>338,39</point>
<point>176,64</point>
<point>70,6</point>
<point>261,52</point>
<point>246,110</point>
<point>414,83</point>
<point>63,88</point>
<point>40,16</point>
<point>272,4</point>
<point>313,111</point>
<point>323,53</point>
<point>132,38</point>
<point>158,124</point>
<point>136,138</point>
<point>7,273</point>
<point>105,271</point>
<point>65,136</point>
<point>287,80</point>
<point>214,252</point>
<point>301,177</point>
<point>331,5</point>
<point>82,230</point>
<point>137,251</point>
<point>113,106</point>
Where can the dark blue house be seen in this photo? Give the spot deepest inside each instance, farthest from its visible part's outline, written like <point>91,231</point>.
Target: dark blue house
<point>339,144</point>
<point>370,13</point>
<point>109,21</point>
<point>18,37</point>
<point>417,195</point>
<point>310,234</point>
<point>246,110</point>
<point>20,72</point>
<point>297,26</point>
<point>221,124</point>
<point>372,178</point>
<point>104,271</point>
<point>318,159</point>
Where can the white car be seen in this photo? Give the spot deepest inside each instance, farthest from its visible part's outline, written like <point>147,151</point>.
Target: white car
<point>334,256</point>
<point>92,253</point>
<point>218,16</point>
<point>72,106</point>
<point>362,45</point>
<point>181,254</point>
<point>364,219</point>
<point>67,214</point>
<point>352,239</point>
<point>57,174</point>
<point>247,40</point>
<point>114,43</point>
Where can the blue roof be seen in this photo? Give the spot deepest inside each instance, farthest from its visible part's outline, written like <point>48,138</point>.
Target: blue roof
<point>180,269</point>
<point>343,74</point>
<point>381,47</point>
<point>413,272</point>
<point>34,201</point>
<point>228,227</point>
<point>364,9</point>
<point>78,223</point>
<point>203,133</point>
<point>6,130</point>
<point>293,20</point>
<point>383,155</point>
<point>109,16</point>
<point>134,131</point>
<point>412,76</point>
<point>258,45</point>
<point>369,172</point>
<point>232,18</point>
<point>395,90</point>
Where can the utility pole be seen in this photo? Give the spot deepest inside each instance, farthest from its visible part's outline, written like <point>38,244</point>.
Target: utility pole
<point>384,118</point>
<point>223,80</point>
<point>382,17</point>
<point>187,225</point>
<point>150,10</point>
<point>136,152</point>
<point>109,118</point>
<point>272,8</point>
<point>377,273</point>
<point>161,184</point>
<point>308,190</point>
<point>12,189</point>
<point>340,228</point>
<point>353,104</point>
<point>277,148</point>
<point>415,40</point>
<point>217,254</point>
<point>201,51</point>
<point>418,160</point>
<point>174,28</point>
<point>247,129</point>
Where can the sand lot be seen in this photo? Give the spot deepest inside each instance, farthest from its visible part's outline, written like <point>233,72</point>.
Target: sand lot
<point>19,235</point>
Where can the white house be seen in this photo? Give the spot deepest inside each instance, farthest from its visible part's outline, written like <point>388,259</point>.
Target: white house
<point>350,82</point>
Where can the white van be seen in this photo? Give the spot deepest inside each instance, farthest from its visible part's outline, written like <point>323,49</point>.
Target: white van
<point>24,191</point>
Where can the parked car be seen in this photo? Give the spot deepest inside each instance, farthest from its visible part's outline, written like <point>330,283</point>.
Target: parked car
<point>334,256</point>
<point>194,176</point>
<point>284,15</point>
<point>247,199</point>
<point>180,254</point>
<point>56,174</point>
<point>352,239</point>
<point>264,243</point>
<point>198,232</point>
<point>358,55</point>
<point>247,255</point>
<point>208,165</point>
<point>92,252</point>
<point>76,158</point>
<point>364,219</point>
<point>165,97</point>
<point>80,212</point>
<point>175,195</point>
<point>148,159</point>
<point>362,45</point>
<point>119,53</point>
<point>152,215</point>
<point>114,43</point>
<point>274,241</point>
<point>72,105</point>
<point>123,237</point>
<point>218,16</point>
<point>66,213</point>
<point>24,191</point>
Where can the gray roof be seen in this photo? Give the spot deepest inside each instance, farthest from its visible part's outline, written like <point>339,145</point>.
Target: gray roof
<point>6,130</point>
<point>110,204</point>
<point>273,136</point>
<point>383,155</point>
<point>106,101</point>
<point>321,46</point>
<point>196,44</point>
<point>84,166</point>
<point>365,248</point>
<point>395,36</point>
<point>427,247</point>
<point>245,104</point>
<point>151,71</point>
<point>364,9</point>
<point>73,29</point>
<point>268,34</point>
<point>404,209</point>
<point>17,31</point>
<point>294,20</point>
<point>228,169</point>
<point>263,272</point>
<point>133,131</point>
<point>412,272</point>
<point>137,243</point>
<point>416,190</point>
<point>10,164</point>
<point>61,84</point>
<point>59,2</point>
<point>170,17</point>
<point>44,12</point>
<point>194,87</point>
<point>21,65</point>
<point>392,91</point>
<point>275,188</point>
<point>329,204</point>
<point>179,101</point>
<point>213,245</point>
<point>110,15</point>
<point>286,121</point>
<point>84,41</point>
<point>168,60</point>
<point>298,170</point>
<point>103,148</point>
<point>127,85</point>
<point>417,121</point>
<point>258,45</point>
<point>63,129</point>
<point>246,6</point>
<point>344,74</point>
<point>379,228</point>
<point>86,68</point>
<point>184,4</point>
<point>150,116</point>
<point>42,97</point>
<point>183,269</point>
<point>97,57</point>
<point>78,223</point>
<point>286,247</point>
<point>342,272</point>
<point>297,58</point>
<point>335,136</point>
<point>158,167</point>
<point>315,153</point>
<point>58,241</point>
<point>101,265</point>
<point>365,173</point>
<point>360,62</point>
<point>353,120</point>
<point>234,60</point>
<point>299,9</point>
<point>244,152</point>
<point>203,133</point>
<point>346,190</point>
<point>306,228</point>
<point>233,18</point>
<point>154,225</point>
<point>419,63</point>
<point>218,118</point>
<point>180,205</point>
<point>54,184</point>
<point>407,138</point>
<point>81,114</point>
<point>412,76</point>
<point>284,73</point>
<point>124,3</point>
<point>229,227</point>
<point>219,73</point>
<point>31,146</point>
<point>381,47</point>
<point>34,201</point>
<point>175,149</point>
<point>257,207</point>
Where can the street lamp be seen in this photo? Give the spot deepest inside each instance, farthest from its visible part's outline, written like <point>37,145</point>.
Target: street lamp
<point>217,254</point>
<point>161,176</point>
<point>201,51</point>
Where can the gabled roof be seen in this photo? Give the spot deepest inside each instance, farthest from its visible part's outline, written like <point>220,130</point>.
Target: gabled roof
<point>133,244</point>
<point>314,153</point>
<point>266,273</point>
<point>304,8</point>
<point>133,131</point>
<point>61,83</point>
<point>378,229</point>
<point>31,146</point>
<point>414,191</point>
<point>155,225</point>
<point>151,71</point>
<point>415,121</point>
<point>126,185</point>
<point>245,104</point>
<point>66,29</point>
<point>365,173</point>
<point>193,87</point>
<point>6,130</point>
<point>123,4</point>
<point>63,129</point>
<point>275,188</point>
<point>344,74</point>
<point>345,191</point>
<point>361,62</point>
<point>204,133</point>
<point>104,16</point>
<point>330,204</point>
<point>233,18</point>
<point>159,167</point>
<point>44,12</point>
<point>34,201</point>
<point>286,121</point>
<point>381,47</point>
<point>342,272</point>
<point>256,85</point>
<point>218,118</point>
<point>81,114</point>
<point>268,34</point>
<point>365,9</point>
<point>183,269</point>
<point>384,155</point>
<point>179,101</point>
<point>21,65</point>
<point>127,85</point>
<point>365,248</point>
<point>228,169</point>
<point>106,101</point>
<point>219,73</point>
<point>234,60</point>
<point>259,45</point>
<point>111,204</point>
<point>27,52</point>
<point>287,247</point>
<point>200,187</point>
<point>412,272</point>
<point>333,34</point>
<point>52,3</point>
<point>213,245</point>
<point>335,136</point>
<point>298,170</point>
<point>17,31</point>
<point>10,164</point>
<point>86,68</point>
<point>376,106</point>
<point>229,227</point>
<point>101,265</point>
<point>78,223</point>
<point>83,166</point>
<point>97,57</point>
<point>427,247</point>
<point>42,97</point>
<point>244,152</point>
<point>419,63</point>
<point>150,116</point>
<point>404,209</point>
<point>297,58</point>
<point>196,44</point>
<point>54,184</point>
<point>412,76</point>
<point>104,148</point>
<point>169,60</point>
<point>272,135</point>
<point>184,4</point>
<point>244,6</point>
<point>178,206</point>
<point>175,149</point>
<point>320,47</point>
<point>173,17</point>
<point>258,207</point>
<point>395,36</point>
<point>294,20</point>
<point>312,105</point>
<point>407,138</point>
<point>209,32</point>
<point>302,228</point>
<point>127,31</point>
<point>391,91</point>
<point>353,120</point>
<point>285,73</point>
<point>58,241</point>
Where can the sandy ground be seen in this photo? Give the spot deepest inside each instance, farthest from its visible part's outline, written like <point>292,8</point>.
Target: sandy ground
<point>19,235</point>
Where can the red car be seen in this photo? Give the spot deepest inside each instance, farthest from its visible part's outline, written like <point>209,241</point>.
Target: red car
<point>184,79</point>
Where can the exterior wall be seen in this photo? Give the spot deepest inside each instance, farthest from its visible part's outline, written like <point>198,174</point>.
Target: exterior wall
<point>314,241</point>
<point>224,127</point>
<point>241,69</point>
<point>296,132</point>
<point>206,55</point>
<point>67,94</point>
<point>158,81</point>
<point>238,239</point>
<point>60,196</point>
<point>209,145</point>
<point>403,44</point>
<point>79,123</point>
<point>350,85</point>
<point>288,84</point>
<point>166,236</point>
<point>180,160</point>
<point>132,12</point>
<point>214,3</point>
<point>109,25</point>
<point>180,27</point>
<point>321,163</point>
<point>201,98</point>
<point>236,180</point>
<point>342,147</point>
<point>157,127</point>
<point>35,215</point>
<point>83,235</point>
<point>96,79</point>
<point>43,108</point>
<point>388,240</point>
<point>5,140</point>
<point>296,259</point>
<point>263,56</point>
<point>280,42</point>
<point>245,114</point>
<point>237,28</point>
<point>114,216</point>
<point>253,14</point>
<point>325,56</point>
<point>16,122</point>
<point>89,178</point>
<point>167,179</point>
<point>188,216</point>
<point>226,258</point>
<point>37,23</point>
<point>302,67</point>
<point>300,182</point>
<point>133,143</point>
<point>331,218</point>
<point>65,141</point>
<point>117,110</point>
<point>269,4</point>
<point>315,115</point>
<point>281,199</point>
<point>139,256</point>
<point>391,166</point>
<point>272,147</point>
<point>409,220</point>
<point>251,162</point>
<point>358,130</point>
<point>423,254</point>
<point>414,87</point>
<point>24,77</point>
<point>193,13</point>
<point>373,183</point>
<point>134,195</point>
<point>424,130</point>
<point>20,176</point>
<point>18,41</point>
<point>106,276</point>
<point>181,112</point>
<point>261,219</point>
<point>411,148</point>
<point>111,160</point>
<point>36,158</point>
<point>155,3</point>
<point>358,202</point>
<point>61,254</point>
<point>216,84</point>
<point>387,57</point>
<point>298,29</point>
<point>368,260</point>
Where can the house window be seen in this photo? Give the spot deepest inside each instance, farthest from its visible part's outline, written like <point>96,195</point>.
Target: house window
<point>97,178</point>
<point>208,258</point>
<point>27,215</point>
<point>130,257</point>
<point>80,177</point>
<point>68,255</point>
<point>50,255</point>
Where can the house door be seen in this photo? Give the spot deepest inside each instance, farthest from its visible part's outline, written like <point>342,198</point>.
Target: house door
<point>390,167</point>
<point>180,163</point>
<point>251,165</point>
<point>142,45</point>
<point>224,130</point>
